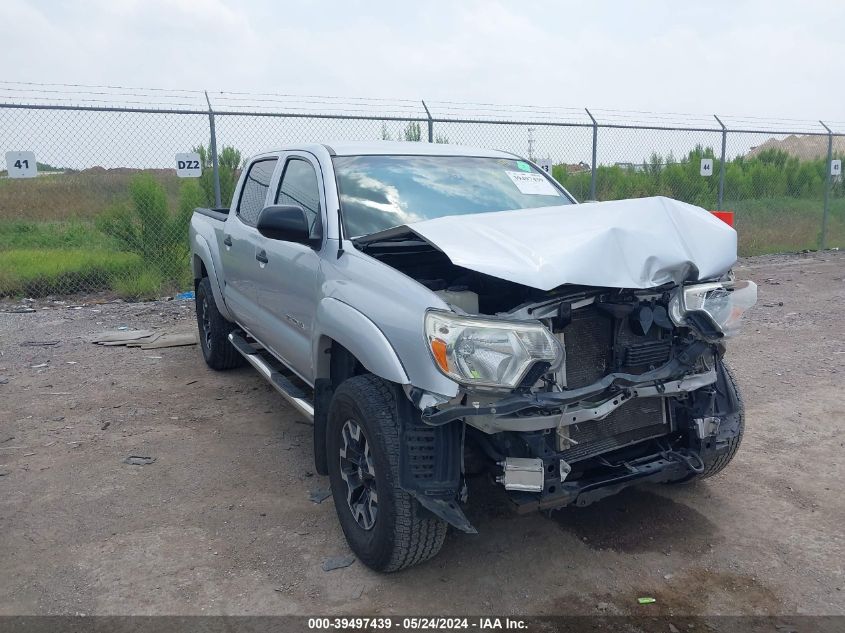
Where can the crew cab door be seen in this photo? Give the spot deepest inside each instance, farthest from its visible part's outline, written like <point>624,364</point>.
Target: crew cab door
<point>239,245</point>
<point>288,290</point>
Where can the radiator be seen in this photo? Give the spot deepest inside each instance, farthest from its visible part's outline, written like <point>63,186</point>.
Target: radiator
<point>589,342</point>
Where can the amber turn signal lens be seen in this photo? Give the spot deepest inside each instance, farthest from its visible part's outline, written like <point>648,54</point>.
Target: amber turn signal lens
<point>438,347</point>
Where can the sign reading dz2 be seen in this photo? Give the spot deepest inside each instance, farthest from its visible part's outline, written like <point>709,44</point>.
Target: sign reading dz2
<point>706,167</point>
<point>188,165</point>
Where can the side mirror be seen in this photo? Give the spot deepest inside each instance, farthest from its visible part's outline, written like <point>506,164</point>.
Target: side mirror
<point>287,223</point>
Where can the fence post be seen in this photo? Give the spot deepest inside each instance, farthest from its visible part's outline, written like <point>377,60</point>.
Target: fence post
<point>430,123</point>
<point>593,162</point>
<point>720,206</point>
<point>215,166</point>
<point>827,182</point>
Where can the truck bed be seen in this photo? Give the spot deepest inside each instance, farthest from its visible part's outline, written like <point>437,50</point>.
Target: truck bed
<point>216,214</point>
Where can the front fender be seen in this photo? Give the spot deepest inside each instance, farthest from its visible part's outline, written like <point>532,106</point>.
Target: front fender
<point>202,251</point>
<point>358,334</point>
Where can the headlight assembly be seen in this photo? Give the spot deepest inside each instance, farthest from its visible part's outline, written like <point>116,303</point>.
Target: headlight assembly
<point>723,303</point>
<point>488,352</point>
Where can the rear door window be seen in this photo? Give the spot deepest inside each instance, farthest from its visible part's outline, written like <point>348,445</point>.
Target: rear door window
<point>254,192</point>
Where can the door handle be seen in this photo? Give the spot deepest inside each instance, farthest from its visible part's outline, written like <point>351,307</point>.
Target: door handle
<point>261,256</point>
<point>227,240</point>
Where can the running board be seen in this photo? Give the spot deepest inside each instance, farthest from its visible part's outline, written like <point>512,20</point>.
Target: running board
<point>290,392</point>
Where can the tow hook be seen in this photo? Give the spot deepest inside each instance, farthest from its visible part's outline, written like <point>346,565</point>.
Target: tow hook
<point>565,469</point>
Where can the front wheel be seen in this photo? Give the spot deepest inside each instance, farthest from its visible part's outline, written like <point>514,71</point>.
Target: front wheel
<point>383,524</point>
<point>716,463</point>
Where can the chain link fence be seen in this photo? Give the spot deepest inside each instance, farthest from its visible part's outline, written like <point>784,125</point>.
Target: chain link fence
<point>90,199</point>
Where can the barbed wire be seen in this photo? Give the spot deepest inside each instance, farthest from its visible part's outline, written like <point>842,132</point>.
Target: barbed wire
<point>45,94</point>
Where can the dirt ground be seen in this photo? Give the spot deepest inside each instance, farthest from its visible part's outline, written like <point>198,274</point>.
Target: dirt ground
<point>221,522</point>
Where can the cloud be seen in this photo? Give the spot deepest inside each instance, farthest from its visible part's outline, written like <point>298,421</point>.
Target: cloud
<point>766,58</point>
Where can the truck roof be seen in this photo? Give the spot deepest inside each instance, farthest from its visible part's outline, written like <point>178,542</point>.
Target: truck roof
<point>357,148</point>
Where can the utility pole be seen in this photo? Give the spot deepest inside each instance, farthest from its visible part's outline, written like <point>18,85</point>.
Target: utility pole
<point>722,165</point>
<point>430,123</point>
<point>215,166</point>
<point>595,152</point>
<point>531,144</point>
<point>829,167</point>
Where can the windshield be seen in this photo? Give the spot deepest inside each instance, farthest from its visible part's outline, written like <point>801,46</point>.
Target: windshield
<point>379,192</point>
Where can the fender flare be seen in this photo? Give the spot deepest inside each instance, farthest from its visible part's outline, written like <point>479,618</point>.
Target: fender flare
<point>360,336</point>
<point>202,250</point>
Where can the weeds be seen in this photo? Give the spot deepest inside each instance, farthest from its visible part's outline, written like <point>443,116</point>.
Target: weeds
<point>39,271</point>
<point>63,232</point>
<point>17,234</point>
<point>139,285</point>
<point>147,227</point>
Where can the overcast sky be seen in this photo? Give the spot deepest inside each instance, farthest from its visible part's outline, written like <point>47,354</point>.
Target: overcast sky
<point>766,58</point>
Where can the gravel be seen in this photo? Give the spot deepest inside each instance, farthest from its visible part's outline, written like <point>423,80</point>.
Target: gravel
<point>222,521</point>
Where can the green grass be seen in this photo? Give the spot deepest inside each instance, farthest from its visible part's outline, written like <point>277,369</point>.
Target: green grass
<point>61,256</point>
<point>778,225</point>
<point>17,234</point>
<point>54,237</point>
<point>76,195</point>
<point>41,271</point>
<point>139,285</point>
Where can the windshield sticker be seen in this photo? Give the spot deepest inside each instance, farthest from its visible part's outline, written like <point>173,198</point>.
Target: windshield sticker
<point>532,184</point>
<point>523,165</point>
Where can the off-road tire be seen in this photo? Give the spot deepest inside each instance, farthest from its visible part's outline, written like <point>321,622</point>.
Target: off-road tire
<point>403,534</point>
<point>717,463</point>
<point>214,331</point>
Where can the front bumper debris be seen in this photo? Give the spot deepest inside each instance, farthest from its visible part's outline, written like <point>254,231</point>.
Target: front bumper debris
<point>522,473</point>
<point>583,492</point>
<point>553,409</point>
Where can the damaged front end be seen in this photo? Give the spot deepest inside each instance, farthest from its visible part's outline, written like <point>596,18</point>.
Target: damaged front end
<point>573,392</point>
<point>573,397</point>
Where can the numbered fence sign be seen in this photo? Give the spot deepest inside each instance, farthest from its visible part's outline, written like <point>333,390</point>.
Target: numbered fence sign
<point>21,164</point>
<point>836,167</point>
<point>546,165</point>
<point>706,166</point>
<point>188,165</point>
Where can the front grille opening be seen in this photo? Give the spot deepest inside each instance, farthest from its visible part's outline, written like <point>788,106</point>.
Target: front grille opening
<point>635,421</point>
<point>597,345</point>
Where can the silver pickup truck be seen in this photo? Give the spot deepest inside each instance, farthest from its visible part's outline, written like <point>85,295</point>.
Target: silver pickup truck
<point>444,312</point>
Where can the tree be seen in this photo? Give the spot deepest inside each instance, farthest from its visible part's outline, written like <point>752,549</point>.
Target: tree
<point>228,167</point>
<point>147,227</point>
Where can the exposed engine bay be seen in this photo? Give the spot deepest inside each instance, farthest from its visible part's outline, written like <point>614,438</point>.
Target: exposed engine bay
<point>640,393</point>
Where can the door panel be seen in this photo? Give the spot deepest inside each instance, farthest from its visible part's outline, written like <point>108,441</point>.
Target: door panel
<point>288,290</point>
<point>239,290</point>
<point>238,246</point>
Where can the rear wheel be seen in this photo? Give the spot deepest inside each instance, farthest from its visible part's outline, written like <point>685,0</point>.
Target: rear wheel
<point>385,527</point>
<point>214,331</point>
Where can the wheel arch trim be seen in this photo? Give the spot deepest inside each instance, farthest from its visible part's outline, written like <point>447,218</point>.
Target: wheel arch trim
<point>202,257</point>
<point>339,322</point>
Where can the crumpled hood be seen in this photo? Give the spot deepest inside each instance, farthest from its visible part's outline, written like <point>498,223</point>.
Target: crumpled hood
<point>639,243</point>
